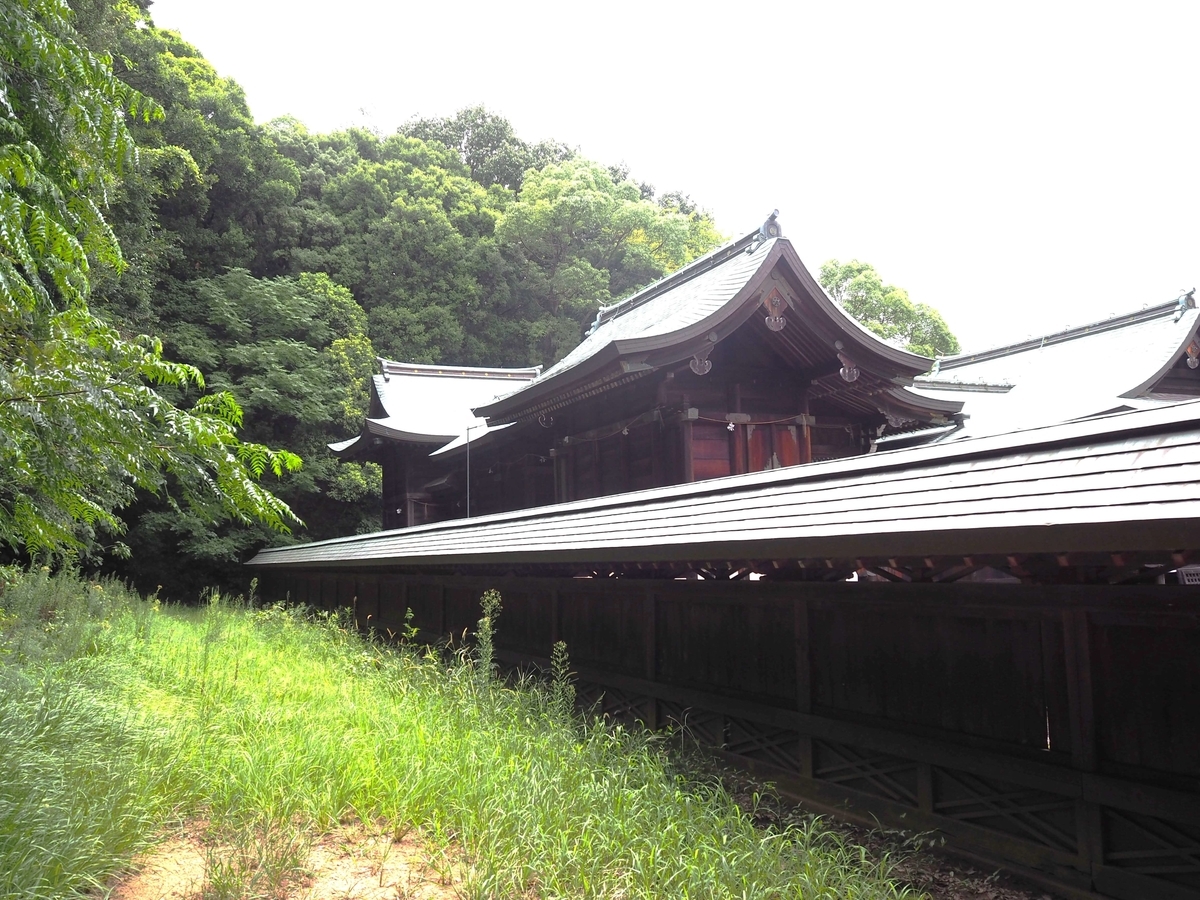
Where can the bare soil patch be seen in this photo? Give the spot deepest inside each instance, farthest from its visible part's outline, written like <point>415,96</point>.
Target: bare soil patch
<point>358,862</point>
<point>353,862</point>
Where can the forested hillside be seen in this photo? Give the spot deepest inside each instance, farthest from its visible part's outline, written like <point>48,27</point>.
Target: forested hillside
<point>281,262</point>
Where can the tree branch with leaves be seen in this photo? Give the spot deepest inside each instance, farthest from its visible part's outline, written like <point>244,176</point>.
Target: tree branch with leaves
<point>83,423</point>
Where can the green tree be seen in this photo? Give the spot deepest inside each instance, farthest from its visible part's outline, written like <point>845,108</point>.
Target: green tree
<point>488,146</point>
<point>886,309</point>
<point>294,353</point>
<point>82,424</point>
<point>400,223</point>
<point>576,238</point>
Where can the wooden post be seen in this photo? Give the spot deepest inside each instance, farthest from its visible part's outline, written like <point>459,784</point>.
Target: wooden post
<point>1079,689</point>
<point>689,474</point>
<point>562,460</point>
<point>1081,703</point>
<point>650,607</point>
<point>441,609</point>
<point>803,682</point>
<point>738,465</point>
<point>805,431</point>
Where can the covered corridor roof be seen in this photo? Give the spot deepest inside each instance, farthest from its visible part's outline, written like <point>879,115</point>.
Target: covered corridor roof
<point>1126,482</point>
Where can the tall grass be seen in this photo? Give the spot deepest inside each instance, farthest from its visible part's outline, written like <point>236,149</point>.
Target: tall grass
<point>120,719</point>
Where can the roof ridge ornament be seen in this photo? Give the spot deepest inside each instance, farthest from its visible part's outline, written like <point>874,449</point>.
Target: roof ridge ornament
<point>1186,301</point>
<point>768,230</point>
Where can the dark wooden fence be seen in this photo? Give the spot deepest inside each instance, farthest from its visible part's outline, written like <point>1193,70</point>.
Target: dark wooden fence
<point>1054,728</point>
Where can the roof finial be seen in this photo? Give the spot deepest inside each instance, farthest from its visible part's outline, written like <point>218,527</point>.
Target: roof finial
<point>1186,301</point>
<point>770,228</point>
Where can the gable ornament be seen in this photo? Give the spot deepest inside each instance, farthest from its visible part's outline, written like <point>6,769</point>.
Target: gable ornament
<point>774,304</point>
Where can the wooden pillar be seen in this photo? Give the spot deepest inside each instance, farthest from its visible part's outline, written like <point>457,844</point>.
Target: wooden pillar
<point>689,474</point>
<point>650,613</point>
<point>562,482</point>
<point>805,431</point>
<point>1079,689</point>
<point>737,438</point>
<point>803,682</point>
<point>441,609</point>
<point>1081,704</point>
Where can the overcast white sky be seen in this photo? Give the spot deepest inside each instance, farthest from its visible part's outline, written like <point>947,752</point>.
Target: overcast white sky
<point>1020,166</point>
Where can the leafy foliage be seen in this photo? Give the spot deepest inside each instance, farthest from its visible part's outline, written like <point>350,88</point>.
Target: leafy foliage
<point>82,424</point>
<point>488,146</point>
<point>886,309</point>
<point>452,265</point>
<point>294,354</point>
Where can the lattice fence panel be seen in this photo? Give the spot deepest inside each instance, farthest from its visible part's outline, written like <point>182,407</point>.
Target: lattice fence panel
<point>1152,847</point>
<point>765,743</point>
<point>609,701</point>
<point>1033,815</point>
<point>866,770</point>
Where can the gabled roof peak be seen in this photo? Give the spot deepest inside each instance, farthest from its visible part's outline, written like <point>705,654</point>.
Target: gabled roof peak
<point>750,243</point>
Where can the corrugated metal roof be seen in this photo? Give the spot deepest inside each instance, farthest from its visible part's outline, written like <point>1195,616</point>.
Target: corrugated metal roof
<point>1127,482</point>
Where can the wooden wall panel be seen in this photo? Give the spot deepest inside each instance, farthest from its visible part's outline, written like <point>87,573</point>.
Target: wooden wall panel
<point>526,621</point>
<point>424,599</point>
<point>759,451</point>
<point>366,606</point>
<point>710,450</point>
<point>979,675</point>
<point>610,456</point>
<point>726,647</point>
<point>1146,679</point>
<point>640,445</point>
<point>585,475</point>
<point>388,620</point>
<point>537,485</point>
<point>462,609</point>
<point>605,630</point>
<point>329,591</point>
<point>787,444</point>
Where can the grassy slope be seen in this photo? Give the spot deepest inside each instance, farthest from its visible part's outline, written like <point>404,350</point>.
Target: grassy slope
<point>119,719</point>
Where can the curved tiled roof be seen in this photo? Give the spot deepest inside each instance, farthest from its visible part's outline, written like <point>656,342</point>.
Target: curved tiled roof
<point>1084,371</point>
<point>432,404</point>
